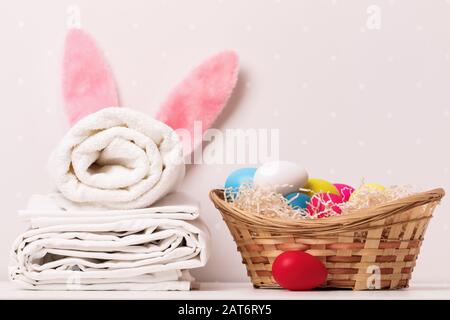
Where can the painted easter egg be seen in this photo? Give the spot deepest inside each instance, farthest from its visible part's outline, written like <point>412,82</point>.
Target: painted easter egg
<point>283,176</point>
<point>238,178</point>
<point>324,204</point>
<point>344,190</point>
<point>373,186</point>
<point>298,270</point>
<point>320,186</point>
<point>298,200</point>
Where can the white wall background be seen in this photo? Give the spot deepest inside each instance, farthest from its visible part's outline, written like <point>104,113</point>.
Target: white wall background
<point>350,102</point>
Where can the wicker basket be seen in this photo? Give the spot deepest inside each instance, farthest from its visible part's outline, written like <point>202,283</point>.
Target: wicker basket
<point>374,248</point>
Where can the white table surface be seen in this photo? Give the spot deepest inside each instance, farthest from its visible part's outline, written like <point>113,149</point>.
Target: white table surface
<point>232,291</point>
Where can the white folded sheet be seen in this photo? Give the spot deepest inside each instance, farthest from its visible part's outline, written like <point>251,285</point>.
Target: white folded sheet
<point>45,210</point>
<point>117,158</point>
<point>146,249</point>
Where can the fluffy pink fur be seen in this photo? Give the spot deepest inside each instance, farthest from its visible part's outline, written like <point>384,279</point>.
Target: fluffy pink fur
<point>201,96</point>
<point>88,85</point>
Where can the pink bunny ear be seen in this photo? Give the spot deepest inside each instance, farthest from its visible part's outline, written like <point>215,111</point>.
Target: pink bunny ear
<point>87,83</point>
<point>200,97</point>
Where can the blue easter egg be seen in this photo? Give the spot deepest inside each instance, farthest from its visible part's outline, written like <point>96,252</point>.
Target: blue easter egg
<point>300,202</point>
<point>239,177</point>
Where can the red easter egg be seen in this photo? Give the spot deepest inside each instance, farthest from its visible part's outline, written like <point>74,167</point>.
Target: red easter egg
<point>323,203</point>
<point>298,270</point>
<point>345,191</point>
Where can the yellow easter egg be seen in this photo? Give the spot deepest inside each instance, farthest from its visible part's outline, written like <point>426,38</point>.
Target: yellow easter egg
<point>374,186</point>
<point>320,186</point>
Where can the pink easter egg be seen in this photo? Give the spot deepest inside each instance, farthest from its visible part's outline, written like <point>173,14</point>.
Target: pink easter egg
<point>345,191</point>
<point>323,204</point>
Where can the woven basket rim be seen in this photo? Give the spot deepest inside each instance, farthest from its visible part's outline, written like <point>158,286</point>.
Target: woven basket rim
<point>344,223</point>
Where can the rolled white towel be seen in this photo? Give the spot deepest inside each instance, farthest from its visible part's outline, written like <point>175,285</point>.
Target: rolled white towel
<point>117,158</point>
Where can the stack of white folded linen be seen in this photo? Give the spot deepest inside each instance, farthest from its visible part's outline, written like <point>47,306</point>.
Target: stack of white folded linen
<point>115,223</point>
<point>140,249</point>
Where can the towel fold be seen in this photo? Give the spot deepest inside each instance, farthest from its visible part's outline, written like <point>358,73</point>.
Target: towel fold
<point>141,249</point>
<point>117,158</point>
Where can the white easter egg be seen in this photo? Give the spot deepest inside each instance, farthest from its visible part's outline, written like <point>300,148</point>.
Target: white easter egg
<point>283,176</point>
